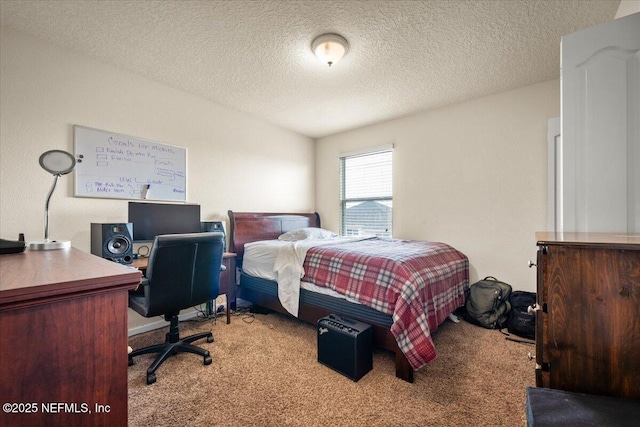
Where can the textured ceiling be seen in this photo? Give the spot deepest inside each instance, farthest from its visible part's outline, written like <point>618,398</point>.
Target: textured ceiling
<point>255,56</point>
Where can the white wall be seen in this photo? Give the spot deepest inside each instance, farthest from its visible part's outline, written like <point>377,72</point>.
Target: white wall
<point>235,160</point>
<point>627,7</point>
<point>473,175</point>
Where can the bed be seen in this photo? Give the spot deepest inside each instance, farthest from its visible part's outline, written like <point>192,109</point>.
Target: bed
<point>422,282</point>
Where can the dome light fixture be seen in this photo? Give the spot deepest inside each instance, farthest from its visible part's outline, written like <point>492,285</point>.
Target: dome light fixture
<point>330,48</point>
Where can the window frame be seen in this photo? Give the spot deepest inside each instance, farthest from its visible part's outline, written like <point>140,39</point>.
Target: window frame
<point>344,201</point>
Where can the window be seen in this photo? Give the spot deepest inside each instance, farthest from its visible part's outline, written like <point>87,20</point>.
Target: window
<point>366,194</point>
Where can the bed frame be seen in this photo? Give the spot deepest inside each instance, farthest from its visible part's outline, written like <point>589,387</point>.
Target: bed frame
<point>246,227</point>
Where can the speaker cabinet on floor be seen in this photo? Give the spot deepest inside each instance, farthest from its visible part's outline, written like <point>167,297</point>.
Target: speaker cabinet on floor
<point>345,345</point>
<point>112,241</point>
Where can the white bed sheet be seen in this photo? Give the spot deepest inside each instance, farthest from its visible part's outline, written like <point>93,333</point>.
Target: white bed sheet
<point>259,261</point>
<point>260,257</point>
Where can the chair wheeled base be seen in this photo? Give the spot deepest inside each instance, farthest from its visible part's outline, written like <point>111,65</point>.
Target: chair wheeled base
<point>172,346</point>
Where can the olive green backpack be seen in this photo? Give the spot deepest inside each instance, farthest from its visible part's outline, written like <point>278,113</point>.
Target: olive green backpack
<point>488,303</point>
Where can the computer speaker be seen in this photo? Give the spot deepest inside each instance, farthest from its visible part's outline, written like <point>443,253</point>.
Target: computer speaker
<point>112,241</point>
<point>209,226</point>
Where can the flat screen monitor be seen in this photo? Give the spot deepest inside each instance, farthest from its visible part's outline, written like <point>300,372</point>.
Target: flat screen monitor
<point>152,219</point>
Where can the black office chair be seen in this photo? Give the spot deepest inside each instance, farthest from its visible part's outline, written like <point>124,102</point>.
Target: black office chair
<point>183,271</point>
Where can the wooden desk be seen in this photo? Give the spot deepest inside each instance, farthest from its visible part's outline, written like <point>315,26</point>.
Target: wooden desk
<point>227,278</point>
<point>63,317</point>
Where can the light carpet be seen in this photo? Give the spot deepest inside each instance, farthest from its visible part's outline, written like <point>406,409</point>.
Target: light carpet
<point>265,373</point>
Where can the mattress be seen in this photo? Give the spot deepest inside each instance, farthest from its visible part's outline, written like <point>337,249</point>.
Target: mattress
<point>259,261</point>
<point>250,284</point>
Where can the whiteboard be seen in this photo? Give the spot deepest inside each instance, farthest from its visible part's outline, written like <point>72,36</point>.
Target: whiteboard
<point>114,166</point>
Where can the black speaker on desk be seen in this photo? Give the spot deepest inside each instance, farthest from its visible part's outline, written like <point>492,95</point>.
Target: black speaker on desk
<point>112,241</point>
<point>345,345</point>
<point>209,226</point>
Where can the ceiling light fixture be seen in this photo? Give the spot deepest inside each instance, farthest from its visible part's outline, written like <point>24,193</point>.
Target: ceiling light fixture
<point>330,48</point>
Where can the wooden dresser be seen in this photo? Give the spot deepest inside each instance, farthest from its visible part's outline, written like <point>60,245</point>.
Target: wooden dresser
<point>63,340</point>
<point>588,324</point>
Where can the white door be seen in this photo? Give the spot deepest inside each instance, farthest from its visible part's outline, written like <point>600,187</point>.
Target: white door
<point>600,127</point>
<point>554,186</point>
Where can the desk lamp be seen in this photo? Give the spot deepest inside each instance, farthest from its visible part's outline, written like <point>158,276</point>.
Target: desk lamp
<point>58,163</point>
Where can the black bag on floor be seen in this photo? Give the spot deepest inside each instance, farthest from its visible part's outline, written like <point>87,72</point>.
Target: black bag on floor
<point>521,322</point>
<point>488,303</point>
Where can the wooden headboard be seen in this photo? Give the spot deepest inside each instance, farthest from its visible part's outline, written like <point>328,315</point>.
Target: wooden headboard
<point>249,227</point>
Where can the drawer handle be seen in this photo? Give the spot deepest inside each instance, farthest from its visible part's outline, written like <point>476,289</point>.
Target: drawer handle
<point>533,308</point>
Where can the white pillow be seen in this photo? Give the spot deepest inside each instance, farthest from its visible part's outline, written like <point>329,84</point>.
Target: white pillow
<point>307,233</point>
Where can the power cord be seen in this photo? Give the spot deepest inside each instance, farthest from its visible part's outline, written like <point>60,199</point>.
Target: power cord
<point>518,340</point>
<point>244,314</point>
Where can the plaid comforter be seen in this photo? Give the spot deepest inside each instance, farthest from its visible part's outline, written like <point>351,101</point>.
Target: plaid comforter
<point>419,283</point>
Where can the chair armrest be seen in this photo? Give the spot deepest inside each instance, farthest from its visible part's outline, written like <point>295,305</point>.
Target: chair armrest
<point>140,289</point>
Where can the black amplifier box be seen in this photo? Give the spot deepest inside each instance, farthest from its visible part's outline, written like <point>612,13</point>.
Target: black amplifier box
<point>345,345</point>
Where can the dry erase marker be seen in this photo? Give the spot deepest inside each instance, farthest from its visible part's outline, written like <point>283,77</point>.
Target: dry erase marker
<point>145,190</point>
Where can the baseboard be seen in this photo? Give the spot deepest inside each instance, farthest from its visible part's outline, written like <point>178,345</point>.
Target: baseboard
<point>160,324</point>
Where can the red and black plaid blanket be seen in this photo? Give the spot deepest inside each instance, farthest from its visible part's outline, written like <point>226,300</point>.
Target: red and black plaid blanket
<point>419,283</point>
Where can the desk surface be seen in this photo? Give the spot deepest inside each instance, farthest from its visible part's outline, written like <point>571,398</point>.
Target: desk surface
<point>38,274</point>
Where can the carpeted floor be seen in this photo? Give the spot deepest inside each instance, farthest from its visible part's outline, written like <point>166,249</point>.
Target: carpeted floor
<point>265,373</point>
